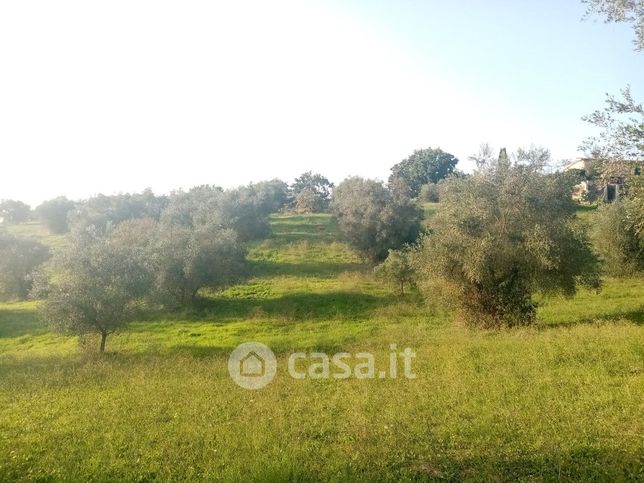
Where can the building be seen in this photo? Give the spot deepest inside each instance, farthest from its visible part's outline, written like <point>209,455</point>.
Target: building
<point>592,187</point>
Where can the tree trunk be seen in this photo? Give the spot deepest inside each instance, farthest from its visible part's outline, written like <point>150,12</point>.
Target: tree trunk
<point>103,339</point>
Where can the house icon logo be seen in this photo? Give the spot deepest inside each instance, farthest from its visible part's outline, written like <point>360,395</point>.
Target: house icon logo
<point>252,365</point>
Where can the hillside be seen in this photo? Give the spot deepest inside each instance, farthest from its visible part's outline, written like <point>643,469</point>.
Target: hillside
<point>557,401</point>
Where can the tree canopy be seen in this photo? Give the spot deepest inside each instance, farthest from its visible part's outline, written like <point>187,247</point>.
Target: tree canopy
<point>311,192</point>
<point>54,214</point>
<point>621,11</point>
<point>12,211</point>
<point>502,234</point>
<point>92,286</point>
<point>422,167</point>
<point>373,218</point>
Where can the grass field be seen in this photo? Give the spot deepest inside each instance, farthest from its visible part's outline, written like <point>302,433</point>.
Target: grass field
<point>559,401</point>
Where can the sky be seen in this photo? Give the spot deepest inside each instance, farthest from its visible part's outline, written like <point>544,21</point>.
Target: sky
<point>108,97</point>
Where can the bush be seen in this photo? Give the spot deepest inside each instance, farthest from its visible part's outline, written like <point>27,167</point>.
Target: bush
<point>374,219</point>
<point>618,241</point>
<point>429,193</point>
<point>397,270</point>
<point>19,258</point>
<point>501,235</point>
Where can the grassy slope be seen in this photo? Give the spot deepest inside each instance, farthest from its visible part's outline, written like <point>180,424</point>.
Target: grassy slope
<point>559,401</point>
<point>38,232</point>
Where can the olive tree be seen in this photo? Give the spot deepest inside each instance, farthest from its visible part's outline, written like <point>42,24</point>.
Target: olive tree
<point>19,258</point>
<point>311,193</point>
<point>619,236</point>
<point>53,214</point>
<point>12,211</point>
<point>271,196</point>
<point>621,11</point>
<point>397,270</point>
<point>105,212</point>
<point>93,286</point>
<point>503,234</point>
<point>373,218</point>
<point>244,210</point>
<point>186,259</point>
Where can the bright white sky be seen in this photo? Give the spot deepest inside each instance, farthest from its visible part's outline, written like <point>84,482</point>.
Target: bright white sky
<point>117,96</point>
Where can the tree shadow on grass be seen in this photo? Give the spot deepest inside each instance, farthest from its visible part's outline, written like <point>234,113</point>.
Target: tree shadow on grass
<point>16,323</point>
<point>294,307</point>
<point>580,464</point>
<point>263,268</point>
<point>635,316</point>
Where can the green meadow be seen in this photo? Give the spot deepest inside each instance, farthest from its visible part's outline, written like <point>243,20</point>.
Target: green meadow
<point>562,400</point>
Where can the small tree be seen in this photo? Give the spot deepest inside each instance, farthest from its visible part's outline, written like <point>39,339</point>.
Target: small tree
<point>429,193</point>
<point>311,192</point>
<point>374,219</point>
<point>19,258</point>
<point>502,234</point>
<point>53,214</point>
<point>93,286</point>
<point>12,211</point>
<point>397,270</point>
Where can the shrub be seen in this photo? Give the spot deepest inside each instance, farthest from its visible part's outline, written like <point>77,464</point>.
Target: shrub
<point>501,235</point>
<point>374,219</point>
<point>429,193</point>
<point>397,270</point>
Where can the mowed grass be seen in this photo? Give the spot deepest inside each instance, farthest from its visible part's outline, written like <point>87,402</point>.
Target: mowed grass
<point>559,401</point>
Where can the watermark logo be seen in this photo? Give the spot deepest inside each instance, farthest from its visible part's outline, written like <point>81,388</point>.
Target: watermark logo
<point>252,365</point>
